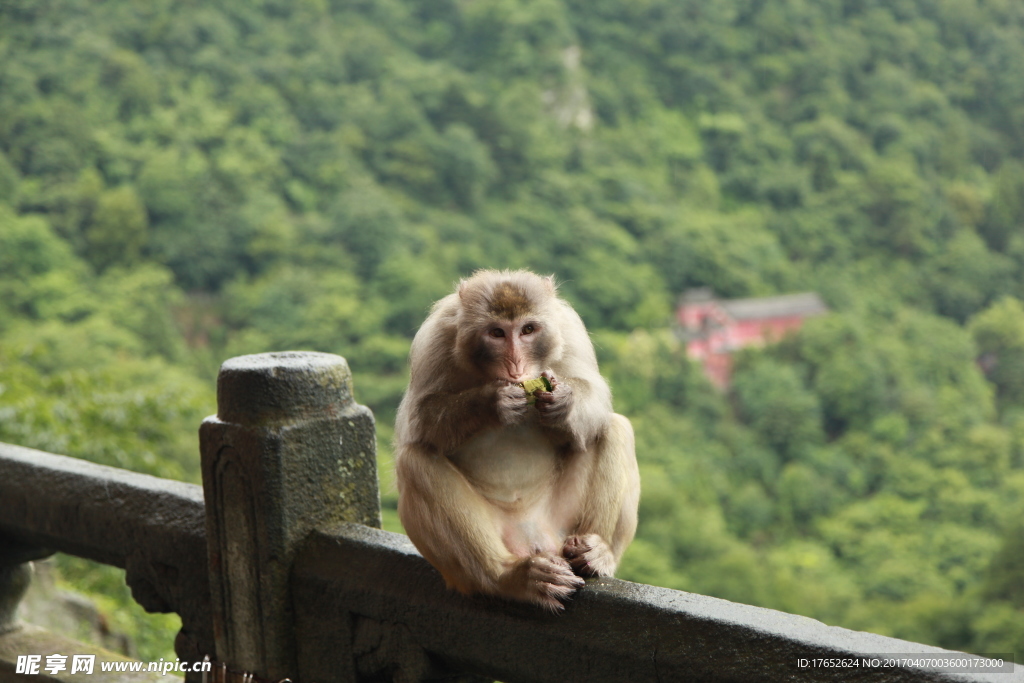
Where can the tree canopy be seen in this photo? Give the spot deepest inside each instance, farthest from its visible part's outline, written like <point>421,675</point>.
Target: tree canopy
<point>181,182</point>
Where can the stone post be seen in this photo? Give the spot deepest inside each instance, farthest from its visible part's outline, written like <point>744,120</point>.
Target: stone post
<point>288,450</point>
<point>14,580</point>
<point>15,576</point>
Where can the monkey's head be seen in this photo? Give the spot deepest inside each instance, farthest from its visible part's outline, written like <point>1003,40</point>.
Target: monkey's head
<point>508,324</point>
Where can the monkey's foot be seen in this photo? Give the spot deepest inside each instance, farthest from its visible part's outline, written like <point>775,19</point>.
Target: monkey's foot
<point>589,555</point>
<point>542,579</point>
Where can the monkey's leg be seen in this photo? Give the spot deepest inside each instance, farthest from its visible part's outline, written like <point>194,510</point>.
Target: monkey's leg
<point>460,533</point>
<point>608,519</point>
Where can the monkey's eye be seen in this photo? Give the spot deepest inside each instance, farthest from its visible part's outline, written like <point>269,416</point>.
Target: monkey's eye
<point>528,329</point>
<point>497,332</point>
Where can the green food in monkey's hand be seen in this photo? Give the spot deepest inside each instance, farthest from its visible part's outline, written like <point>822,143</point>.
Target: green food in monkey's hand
<point>534,385</point>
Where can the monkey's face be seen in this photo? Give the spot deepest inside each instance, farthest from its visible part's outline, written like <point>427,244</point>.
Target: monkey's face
<point>513,350</point>
<point>507,330</point>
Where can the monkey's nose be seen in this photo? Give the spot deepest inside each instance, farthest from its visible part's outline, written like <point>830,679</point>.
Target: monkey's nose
<point>517,372</point>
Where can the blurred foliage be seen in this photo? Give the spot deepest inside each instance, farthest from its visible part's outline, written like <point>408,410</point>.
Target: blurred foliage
<point>183,183</point>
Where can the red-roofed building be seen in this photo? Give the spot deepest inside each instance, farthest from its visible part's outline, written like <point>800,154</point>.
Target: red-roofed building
<point>714,328</point>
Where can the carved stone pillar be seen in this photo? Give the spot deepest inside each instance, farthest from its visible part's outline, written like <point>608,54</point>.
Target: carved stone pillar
<point>288,450</point>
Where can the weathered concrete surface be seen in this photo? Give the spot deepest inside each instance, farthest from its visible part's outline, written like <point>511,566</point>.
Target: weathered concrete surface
<point>353,584</point>
<point>287,451</point>
<point>154,528</point>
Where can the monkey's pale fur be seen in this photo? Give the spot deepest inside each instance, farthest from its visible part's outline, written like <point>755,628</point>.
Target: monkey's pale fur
<point>504,498</point>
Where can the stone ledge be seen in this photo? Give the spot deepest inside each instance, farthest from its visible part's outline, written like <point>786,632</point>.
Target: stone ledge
<point>351,581</point>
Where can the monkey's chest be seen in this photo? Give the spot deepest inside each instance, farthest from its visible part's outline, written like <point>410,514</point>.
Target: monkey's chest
<point>511,466</point>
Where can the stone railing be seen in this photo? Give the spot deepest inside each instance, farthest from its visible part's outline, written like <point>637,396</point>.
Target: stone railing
<point>277,568</point>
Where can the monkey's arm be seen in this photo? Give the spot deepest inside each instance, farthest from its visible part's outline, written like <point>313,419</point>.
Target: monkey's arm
<point>608,518</point>
<point>447,419</point>
<point>576,409</point>
<point>460,533</point>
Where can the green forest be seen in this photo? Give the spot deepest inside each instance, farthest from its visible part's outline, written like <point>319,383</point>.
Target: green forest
<point>183,182</point>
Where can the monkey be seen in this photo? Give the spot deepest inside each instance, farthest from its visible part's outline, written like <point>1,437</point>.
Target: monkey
<point>503,497</point>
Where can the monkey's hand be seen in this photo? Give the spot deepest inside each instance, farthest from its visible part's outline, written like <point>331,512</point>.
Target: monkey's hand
<point>589,555</point>
<point>510,403</point>
<point>554,405</point>
<point>542,579</point>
